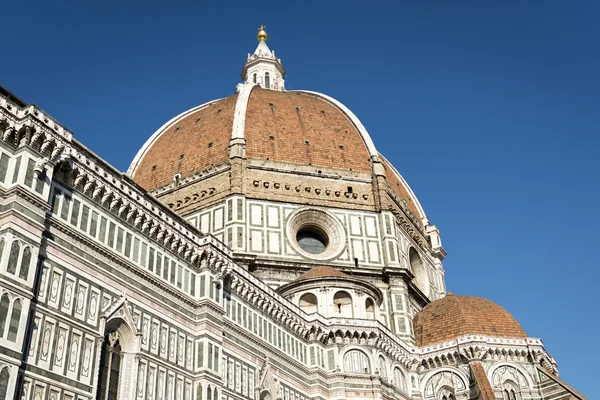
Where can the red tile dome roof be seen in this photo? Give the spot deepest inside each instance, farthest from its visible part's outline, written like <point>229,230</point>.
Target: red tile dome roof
<point>292,127</point>
<point>322,272</point>
<point>454,316</point>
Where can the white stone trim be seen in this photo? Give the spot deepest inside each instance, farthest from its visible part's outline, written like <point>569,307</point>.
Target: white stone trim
<point>409,190</point>
<point>494,367</point>
<point>359,126</point>
<point>239,118</point>
<point>144,149</point>
<point>425,379</point>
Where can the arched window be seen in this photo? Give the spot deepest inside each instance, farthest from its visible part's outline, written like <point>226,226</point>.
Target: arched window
<point>446,393</point>
<point>199,392</point>
<point>265,396</point>
<point>216,394</point>
<point>510,391</point>
<point>399,379</point>
<point>382,368</point>
<point>13,258</point>
<point>254,78</point>
<point>209,392</point>
<point>110,367</point>
<point>25,261</point>
<point>370,308</point>
<point>267,81</point>
<point>4,375</point>
<point>356,361</point>
<point>4,305</point>
<point>309,303</point>
<point>419,271</point>
<point>15,318</point>
<point>342,303</point>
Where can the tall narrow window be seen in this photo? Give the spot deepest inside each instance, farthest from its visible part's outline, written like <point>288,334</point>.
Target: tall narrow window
<point>29,173</point>
<point>16,171</point>
<point>4,305</point>
<point>4,166</point>
<point>419,270</point>
<point>15,318</point>
<point>370,309</point>
<point>382,369</point>
<point>253,78</point>
<point>75,212</point>
<point>25,261</point>
<point>399,379</point>
<point>110,366</point>
<point>199,392</point>
<point>13,258</point>
<point>267,81</point>
<point>4,375</point>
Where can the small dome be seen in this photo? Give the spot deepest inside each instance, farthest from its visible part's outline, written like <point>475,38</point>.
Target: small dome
<point>454,316</point>
<point>322,272</point>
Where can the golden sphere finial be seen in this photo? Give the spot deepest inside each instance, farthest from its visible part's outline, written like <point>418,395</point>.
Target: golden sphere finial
<point>262,34</point>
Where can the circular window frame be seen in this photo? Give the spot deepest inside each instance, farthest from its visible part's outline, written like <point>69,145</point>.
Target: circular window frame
<point>324,224</point>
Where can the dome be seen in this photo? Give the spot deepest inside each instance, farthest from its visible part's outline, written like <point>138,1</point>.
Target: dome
<point>454,316</point>
<point>292,127</point>
<point>322,272</point>
<point>296,132</point>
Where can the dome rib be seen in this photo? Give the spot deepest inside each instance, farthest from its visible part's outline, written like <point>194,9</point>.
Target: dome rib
<point>402,189</point>
<point>359,126</point>
<point>188,144</point>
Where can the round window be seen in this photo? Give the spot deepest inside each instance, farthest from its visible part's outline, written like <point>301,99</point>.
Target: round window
<point>315,234</point>
<point>312,240</point>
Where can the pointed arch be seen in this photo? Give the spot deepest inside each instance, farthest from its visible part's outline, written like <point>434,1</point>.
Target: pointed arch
<point>15,319</point>
<point>199,391</point>
<point>25,263</point>
<point>4,378</point>
<point>13,257</point>
<point>119,349</point>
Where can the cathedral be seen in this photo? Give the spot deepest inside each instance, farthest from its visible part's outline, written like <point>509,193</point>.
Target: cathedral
<point>259,247</point>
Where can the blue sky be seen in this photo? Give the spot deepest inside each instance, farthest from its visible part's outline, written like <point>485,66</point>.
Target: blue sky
<point>488,109</point>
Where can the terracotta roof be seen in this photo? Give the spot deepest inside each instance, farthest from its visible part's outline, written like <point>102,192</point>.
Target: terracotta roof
<point>301,128</point>
<point>485,387</point>
<point>290,127</point>
<point>453,316</point>
<point>190,145</point>
<point>321,272</point>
